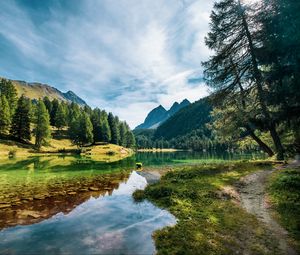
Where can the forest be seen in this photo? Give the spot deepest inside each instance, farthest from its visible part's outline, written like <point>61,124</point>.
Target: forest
<point>254,76</point>
<point>22,118</point>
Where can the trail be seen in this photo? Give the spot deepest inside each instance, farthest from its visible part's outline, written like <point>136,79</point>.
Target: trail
<point>252,190</point>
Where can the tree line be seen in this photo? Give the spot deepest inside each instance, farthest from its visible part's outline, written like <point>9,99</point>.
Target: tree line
<point>20,118</point>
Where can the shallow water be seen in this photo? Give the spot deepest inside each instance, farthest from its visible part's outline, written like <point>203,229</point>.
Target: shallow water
<point>112,224</point>
<point>74,205</point>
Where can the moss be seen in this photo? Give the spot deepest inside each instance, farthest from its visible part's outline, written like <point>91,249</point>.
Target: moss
<point>206,223</point>
<point>284,192</point>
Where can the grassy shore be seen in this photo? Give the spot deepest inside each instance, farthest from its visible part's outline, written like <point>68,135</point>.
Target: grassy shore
<point>105,152</point>
<point>210,221</point>
<point>158,150</point>
<point>284,193</point>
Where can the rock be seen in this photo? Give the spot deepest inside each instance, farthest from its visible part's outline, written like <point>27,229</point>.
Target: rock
<point>28,213</point>
<point>72,193</point>
<point>4,206</point>
<point>93,189</point>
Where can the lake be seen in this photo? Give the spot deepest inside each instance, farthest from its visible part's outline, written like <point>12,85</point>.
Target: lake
<point>75,205</point>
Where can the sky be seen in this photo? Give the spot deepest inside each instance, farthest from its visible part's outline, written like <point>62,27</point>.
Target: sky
<point>124,56</point>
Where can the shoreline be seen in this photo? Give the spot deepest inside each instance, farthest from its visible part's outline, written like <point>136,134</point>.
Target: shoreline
<point>210,216</point>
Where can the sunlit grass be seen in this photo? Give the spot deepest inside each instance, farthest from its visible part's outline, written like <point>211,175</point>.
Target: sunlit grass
<point>207,223</point>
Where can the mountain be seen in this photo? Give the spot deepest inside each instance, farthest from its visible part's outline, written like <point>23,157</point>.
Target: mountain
<point>156,116</point>
<point>36,90</point>
<point>193,117</point>
<point>159,115</point>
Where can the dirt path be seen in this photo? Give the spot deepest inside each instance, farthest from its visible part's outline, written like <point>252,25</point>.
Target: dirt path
<point>253,199</point>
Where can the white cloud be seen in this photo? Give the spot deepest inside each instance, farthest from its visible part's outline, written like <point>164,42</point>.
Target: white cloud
<point>126,56</point>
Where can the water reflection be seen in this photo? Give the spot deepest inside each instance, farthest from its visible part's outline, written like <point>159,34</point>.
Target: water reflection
<point>112,224</point>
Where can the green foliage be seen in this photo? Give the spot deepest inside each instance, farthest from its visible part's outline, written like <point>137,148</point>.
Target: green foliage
<point>9,91</point>
<point>5,117</point>
<point>20,127</point>
<point>81,130</point>
<point>195,116</point>
<point>284,190</point>
<point>130,139</point>
<point>54,108</point>
<point>114,128</point>
<point>42,130</point>
<point>60,116</point>
<point>104,128</point>
<point>206,223</point>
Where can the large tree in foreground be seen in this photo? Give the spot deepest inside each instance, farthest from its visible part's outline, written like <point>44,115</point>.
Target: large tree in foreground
<point>234,38</point>
<point>42,130</point>
<point>20,127</point>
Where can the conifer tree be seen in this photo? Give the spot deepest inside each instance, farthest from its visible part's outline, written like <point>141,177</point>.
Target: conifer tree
<point>9,91</point>
<point>54,107</point>
<point>81,130</point>
<point>123,131</point>
<point>105,130</point>
<point>130,140</point>
<point>5,117</point>
<point>115,135</point>
<point>96,121</point>
<point>42,130</point>
<point>60,117</point>
<point>20,127</point>
<point>235,41</point>
<point>48,104</point>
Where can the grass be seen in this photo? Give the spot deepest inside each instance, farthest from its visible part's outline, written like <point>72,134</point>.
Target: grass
<point>207,222</point>
<point>284,193</point>
<point>61,145</point>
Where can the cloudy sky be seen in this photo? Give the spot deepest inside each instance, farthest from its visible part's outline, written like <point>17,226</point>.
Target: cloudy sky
<point>126,56</point>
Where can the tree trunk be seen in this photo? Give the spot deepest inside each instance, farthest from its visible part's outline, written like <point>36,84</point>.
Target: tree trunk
<point>262,145</point>
<point>260,91</point>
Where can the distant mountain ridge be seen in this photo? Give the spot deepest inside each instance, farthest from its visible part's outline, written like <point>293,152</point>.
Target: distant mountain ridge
<point>35,90</point>
<point>159,115</point>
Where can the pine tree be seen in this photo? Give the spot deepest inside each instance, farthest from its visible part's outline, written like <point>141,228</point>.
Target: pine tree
<point>105,129</point>
<point>54,107</point>
<point>115,134</point>
<point>5,117</point>
<point>234,38</point>
<point>20,128</point>
<point>48,104</point>
<point>9,91</point>
<point>42,130</point>
<point>81,130</point>
<point>130,140</point>
<point>60,117</point>
<point>123,131</point>
<point>96,121</point>
<point>86,129</point>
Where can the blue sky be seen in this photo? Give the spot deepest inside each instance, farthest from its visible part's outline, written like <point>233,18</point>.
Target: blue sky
<point>125,56</point>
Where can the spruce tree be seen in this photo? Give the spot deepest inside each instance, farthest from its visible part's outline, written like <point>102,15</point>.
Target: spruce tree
<point>115,134</point>
<point>42,130</point>
<point>60,117</point>
<point>9,91</point>
<point>20,127</point>
<point>81,130</point>
<point>54,107</point>
<point>105,129</point>
<point>96,121</point>
<point>5,117</point>
<point>130,140</point>
<point>48,104</point>
<point>123,131</point>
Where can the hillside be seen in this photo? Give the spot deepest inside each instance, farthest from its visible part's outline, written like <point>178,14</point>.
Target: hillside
<point>159,114</point>
<point>190,118</point>
<point>36,90</point>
